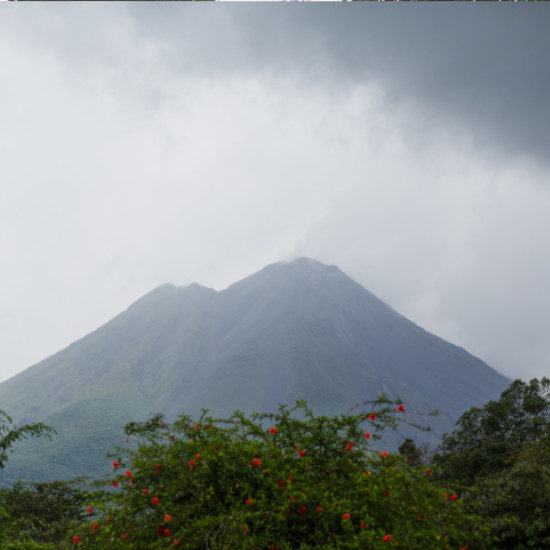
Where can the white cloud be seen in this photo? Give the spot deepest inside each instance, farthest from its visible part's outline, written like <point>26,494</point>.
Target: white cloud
<point>122,174</point>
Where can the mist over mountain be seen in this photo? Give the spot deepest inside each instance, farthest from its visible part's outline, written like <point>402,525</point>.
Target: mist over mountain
<point>293,330</point>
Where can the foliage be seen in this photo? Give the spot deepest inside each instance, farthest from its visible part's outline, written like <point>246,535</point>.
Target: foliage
<point>40,512</point>
<point>28,515</point>
<point>486,438</point>
<point>499,456</point>
<point>410,451</point>
<point>9,434</point>
<point>516,502</point>
<point>307,481</point>
<point>298,480</point>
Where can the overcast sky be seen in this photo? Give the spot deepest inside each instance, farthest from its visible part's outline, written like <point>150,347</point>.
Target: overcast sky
<point>407,144</point>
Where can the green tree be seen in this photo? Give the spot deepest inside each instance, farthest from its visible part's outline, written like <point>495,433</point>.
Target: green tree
<point>486,438</point>
<point>499,457</point>
<point>10,528</point>
<point>9,434</point>
<point>410,451</point>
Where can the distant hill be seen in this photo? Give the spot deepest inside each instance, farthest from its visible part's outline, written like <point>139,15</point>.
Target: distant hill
<point>293,330</point>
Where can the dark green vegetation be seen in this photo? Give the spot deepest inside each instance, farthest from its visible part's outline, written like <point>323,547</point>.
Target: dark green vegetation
<point>500,455</point>
<point>294,479</point>
<point>40,514</point>
<point>291,331</point>
<point>37,512</point>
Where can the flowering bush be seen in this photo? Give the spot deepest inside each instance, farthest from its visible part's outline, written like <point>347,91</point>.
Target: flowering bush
<point>273,481</point>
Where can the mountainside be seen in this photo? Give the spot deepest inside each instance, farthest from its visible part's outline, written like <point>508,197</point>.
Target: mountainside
<point>293,330</point>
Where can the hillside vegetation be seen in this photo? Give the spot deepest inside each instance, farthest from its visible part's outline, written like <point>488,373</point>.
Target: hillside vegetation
<point>294,479</point>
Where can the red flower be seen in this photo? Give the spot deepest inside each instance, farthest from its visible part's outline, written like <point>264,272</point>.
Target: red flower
<point>126,536</point>
<point>401,408</point>
<point>76,540</point>
<point>115,483</point>
<point>158,467</point>
<point>198,456</point>
<point>291,478</point>
<point>272,431</point>
<point>319,509</point>
<point>349,447</point>
<point>145,491</point>
<point>367,435</point>
<point>384,454</point>
<point>302,510</point>
<point>386,492</point>
<point>95,527</point>
<point>248,502</point>
<point>128,473</point>
<point>116,464</point>
<point>454,497</point>
<point>345,517</point>
<point>127,439</point>
<point>197,427</point>
<point>387,538</point>
<point>176,542</point>
<point>154,501</point>
<point>295,446</point>
<point>302,453</point>
<point>428,472</point>
<point>292,497</point>
<point>167,532</point>
<point>192,464</point>
<point>90,510</point>
<point>281,483</point>
<point>362,525</point>
<point>274,547</point>
<point>256,462</point>
<point>372,416</point>
<point>167,518</point>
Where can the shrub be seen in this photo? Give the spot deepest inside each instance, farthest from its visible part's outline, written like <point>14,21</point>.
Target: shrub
<point>279,481</point>
<point>39,513</point>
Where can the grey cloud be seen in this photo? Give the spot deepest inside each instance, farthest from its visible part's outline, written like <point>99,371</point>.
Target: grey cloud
<point>146,144</point>
<point>486,64</point>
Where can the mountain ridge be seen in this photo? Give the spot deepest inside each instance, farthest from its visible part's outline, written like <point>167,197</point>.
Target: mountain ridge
<point>292,330</point>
